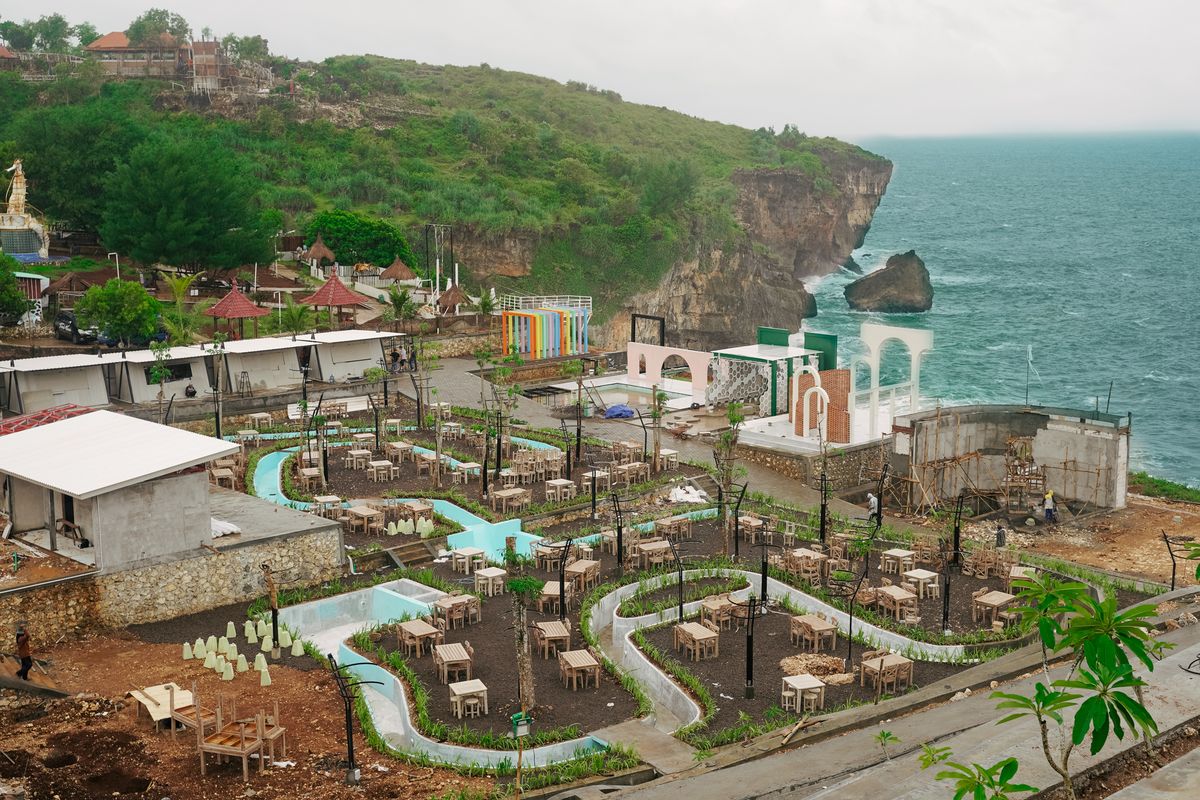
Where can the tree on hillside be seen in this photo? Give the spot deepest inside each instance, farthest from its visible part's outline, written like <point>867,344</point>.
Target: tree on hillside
<point>122,310</point>
<point>667,185</point>
<point>17,35</point>
<point>50,34</point>
<point>184,203</point>
<point>245,48</point>
<point>13,302</point>
<point>355,237</point>
<point>147,29</point>
<point>69,151</point>
<point>85,33</point>
<point>184,323</point>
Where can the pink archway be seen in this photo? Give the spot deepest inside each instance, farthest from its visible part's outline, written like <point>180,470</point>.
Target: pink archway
<point>654,355</point>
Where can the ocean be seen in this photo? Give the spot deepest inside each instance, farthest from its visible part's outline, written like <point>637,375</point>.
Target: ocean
<point>1086,248</point>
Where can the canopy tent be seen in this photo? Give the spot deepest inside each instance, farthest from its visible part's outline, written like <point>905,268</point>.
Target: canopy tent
<point>334,294</point>
<point>236,305</point>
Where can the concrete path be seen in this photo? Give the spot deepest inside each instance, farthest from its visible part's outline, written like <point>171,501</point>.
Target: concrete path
<point>853,765</point>
<point>660,750</point>
<point>1178,780</point>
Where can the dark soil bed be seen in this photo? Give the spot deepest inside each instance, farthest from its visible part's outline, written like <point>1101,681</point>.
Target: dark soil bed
<point>725,676</point>
<point>212,623</point>
<point>693,589</point>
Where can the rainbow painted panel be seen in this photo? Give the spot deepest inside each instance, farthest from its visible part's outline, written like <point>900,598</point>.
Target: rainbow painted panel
<point>539,333</point>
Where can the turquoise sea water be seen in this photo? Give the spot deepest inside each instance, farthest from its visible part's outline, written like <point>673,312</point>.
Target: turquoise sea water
<point>1087,248</point>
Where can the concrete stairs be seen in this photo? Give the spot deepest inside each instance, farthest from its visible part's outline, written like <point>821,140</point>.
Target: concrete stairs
<point>415,552</point>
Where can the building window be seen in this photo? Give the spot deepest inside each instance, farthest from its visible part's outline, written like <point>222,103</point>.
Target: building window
<point>179,372</point>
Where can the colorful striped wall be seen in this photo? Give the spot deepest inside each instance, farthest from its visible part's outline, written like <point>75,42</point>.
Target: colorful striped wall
<point>545,332</point>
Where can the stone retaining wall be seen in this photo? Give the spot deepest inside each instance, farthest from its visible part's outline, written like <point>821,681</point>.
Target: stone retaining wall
<point>846,466</point>
<point>165,591</point>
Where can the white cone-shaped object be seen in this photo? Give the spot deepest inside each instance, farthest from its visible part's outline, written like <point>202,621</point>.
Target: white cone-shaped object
<point>248,631</point>
<point>222,645</point>
<point>267,644</point>
<point>297,648</point>
<point>198,649</point>
<point>251,635</point>
<point>227,675</point>
<point>230,630</point>
<point>260,662</point>
<point>187,651</point>
<point>262,628</point>
<point>264,677</point>
<point>211,643</point>
<point>285,638</point>
<point>210,659</point>
<point>242,666</point>
<point>219,664</point>
<point>231,654</point>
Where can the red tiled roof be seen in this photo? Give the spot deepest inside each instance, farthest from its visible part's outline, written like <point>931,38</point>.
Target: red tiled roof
<point>39,418</point>
<point>117,40</point>
<point>6,53</point>
<point>236,305</point>
<point>333,294</point>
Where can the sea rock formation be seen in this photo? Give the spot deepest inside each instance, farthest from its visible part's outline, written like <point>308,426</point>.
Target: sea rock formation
<point>902,286</point>
<point>795,225</point>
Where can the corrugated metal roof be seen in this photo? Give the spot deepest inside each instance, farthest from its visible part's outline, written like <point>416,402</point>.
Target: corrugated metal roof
<point>100,452</point>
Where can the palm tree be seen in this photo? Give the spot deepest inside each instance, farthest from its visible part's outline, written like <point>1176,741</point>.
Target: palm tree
<point>179,286</point>
<point>403,307</point>
<point>486,306</point>
<point>184,324</point>
<point>295,318</point>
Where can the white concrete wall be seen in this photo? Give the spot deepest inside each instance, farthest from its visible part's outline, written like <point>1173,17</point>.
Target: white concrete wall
<point>342,360</point>
<point>150,520</point>
<point>141,391</point>
<point>30,508</point>
<point>81,386</point>
<point>273,369</point>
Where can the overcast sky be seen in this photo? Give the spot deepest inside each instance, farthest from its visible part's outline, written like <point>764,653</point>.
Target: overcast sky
<point>850,68</point>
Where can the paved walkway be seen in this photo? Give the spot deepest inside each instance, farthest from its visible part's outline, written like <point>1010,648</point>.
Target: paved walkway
<point>853,765</point>
<point>660,750</point>
<point>1178,780</point>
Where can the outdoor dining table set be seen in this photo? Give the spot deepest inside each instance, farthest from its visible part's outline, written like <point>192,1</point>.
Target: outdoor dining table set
<point>674,527</point>
<point>458,610</point>
<point>813,630</point>
<point>578,667</point>
<point>885,669</point>
<point>698,641</point>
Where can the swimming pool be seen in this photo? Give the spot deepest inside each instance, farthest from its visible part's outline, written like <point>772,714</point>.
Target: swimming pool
<point>631,395</point>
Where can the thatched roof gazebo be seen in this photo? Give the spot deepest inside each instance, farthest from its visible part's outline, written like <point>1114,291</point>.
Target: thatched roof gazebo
<point>320,252</point>
<point>236,305</point>
<point>399,271</point>
<point>334,294</point>
<point>452,298</point>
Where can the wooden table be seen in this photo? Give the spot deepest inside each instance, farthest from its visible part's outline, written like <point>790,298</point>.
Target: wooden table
<point>602,477</point>
<point>668,457</point>
<point>576,664</point>
<point>632,470</point>
<point>381,470</point>
<point>392,423</point>
<point>899,597</point>
<point>1019,573</point>
<point>505,495</point>
<point>903,558</point>
<point>648,549</point>
<point>991,603</point>
<point>876,666</point>
<point>715,608</point>
<point>310,475</point>
<point>259,418</point>
<point>450,656</point>
<point>325,503</point>
<point>553,634</point>
<point>699,635</point>
<point>804,681</point>
<point>363,438</point>
<point>752,525</point>
<point>577,571</point>
<point>492,582</point>
<point>416,509</point>
<point>360,457</point>
<point>363,515</point>
<point>561,486</point>
<point>469,468</point>
<point>821,628</point>
<point>249,435</point>
<point>922,578</point>
<point>444,606</point>
<point>223,474</point>
<point>400,449</point>
<point>464,557</point>
<point>420,630</point>
<point>463,689</point>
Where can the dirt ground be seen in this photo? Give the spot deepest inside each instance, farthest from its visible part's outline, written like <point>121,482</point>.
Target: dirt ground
<point>47,566</point>
<point>1127,541</point>
<point>96,747</point>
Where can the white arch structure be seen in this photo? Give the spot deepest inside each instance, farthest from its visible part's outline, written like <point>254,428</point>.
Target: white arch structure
<point>874,336</point>
<point>697,361</point>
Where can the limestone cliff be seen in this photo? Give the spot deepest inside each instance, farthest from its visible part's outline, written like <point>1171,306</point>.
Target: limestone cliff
<point>795,225</point>
<point>509,255</point>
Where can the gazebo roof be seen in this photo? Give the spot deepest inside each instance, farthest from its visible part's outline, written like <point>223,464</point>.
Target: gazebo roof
<point>399,271</point>
<point>333,294</point>
<point>454,296</point>
<point>236,305</point>
<point>320,250</point>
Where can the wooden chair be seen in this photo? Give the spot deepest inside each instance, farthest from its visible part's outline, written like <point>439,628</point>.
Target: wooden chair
<point>274,731</point>
<point>189,716</point>
<point>236,739</point>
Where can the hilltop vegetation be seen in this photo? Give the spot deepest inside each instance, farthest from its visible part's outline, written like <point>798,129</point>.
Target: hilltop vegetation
<point>611,193</point>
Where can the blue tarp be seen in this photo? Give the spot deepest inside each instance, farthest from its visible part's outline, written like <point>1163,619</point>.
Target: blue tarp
<point>619,411</point>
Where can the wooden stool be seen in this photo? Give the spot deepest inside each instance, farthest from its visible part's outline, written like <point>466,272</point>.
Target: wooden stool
<point>471,706</point>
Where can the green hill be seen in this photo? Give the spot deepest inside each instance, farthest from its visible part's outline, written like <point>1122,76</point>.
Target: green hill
<point>606,194</point>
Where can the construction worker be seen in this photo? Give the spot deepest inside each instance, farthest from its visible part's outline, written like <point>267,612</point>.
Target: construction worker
<point>24,652</point>
<point>1048,506</point>
<point>873,508</point>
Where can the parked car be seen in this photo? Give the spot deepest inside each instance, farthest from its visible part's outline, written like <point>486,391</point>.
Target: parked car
<point>66,326</point>
<point>159,335</point>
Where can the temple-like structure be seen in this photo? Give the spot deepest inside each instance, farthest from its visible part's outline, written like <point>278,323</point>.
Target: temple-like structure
<point>22,236</point>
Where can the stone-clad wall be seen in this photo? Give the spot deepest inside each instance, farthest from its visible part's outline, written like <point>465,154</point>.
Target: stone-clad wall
<point>164,591</point>
<point>847,466</point>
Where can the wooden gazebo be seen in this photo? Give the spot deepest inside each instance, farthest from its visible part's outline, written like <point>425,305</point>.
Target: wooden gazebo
<point>320,252</point>
<point>334,294</point>
<point>236,305</point>
<point>399,271</point>
<point>452,298</point>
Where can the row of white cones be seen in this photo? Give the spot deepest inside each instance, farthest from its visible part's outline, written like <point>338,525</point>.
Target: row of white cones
<point>222,656</point>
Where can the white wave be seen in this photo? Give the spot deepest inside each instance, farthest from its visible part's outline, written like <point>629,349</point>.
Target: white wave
<point>1158,377</point>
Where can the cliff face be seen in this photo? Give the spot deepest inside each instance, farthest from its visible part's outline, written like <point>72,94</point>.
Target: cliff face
<point>510,255</point>
<point>795,227</point>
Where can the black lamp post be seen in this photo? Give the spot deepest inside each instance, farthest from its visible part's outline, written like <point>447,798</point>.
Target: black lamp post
<point>763,547</point>
<point>824,505</point>
<point>566,445</point>
<point>958,512</point>
<point>345,689</point>
<point>562,580</point>
<point>645,433</point>
<point>737,516</point>
<point>679,567</point>
<point>752,609</point>
<point>620,519</point>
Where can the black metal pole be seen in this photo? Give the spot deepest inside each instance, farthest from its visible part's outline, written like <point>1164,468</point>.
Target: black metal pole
<point>750,650</point>
<point>946,597</point>
<point>483,476</point>
<point>593,492</point>
<point>824,506</point>
<point>955,554</point>
<point>620,532</point>
<point>764,572</point>
<point>737,519</point>
<point>578,430</point>
<point>679,567</point>
<point>499,441</point>
<point>350,765</point>
<point>562,581</point>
